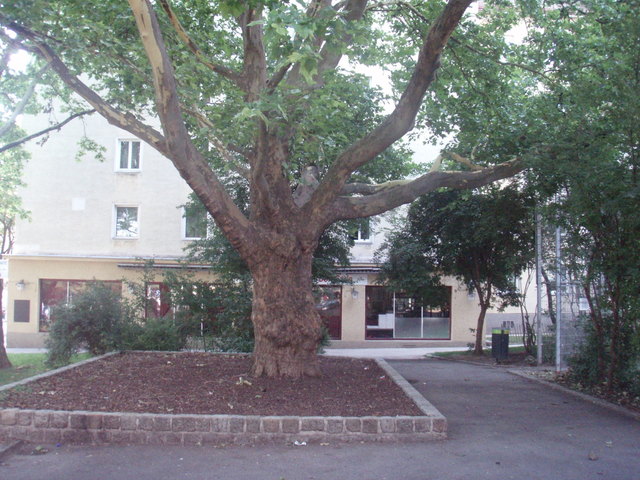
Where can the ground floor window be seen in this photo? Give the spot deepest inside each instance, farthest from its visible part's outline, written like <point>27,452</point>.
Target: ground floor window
<point>328,300</point>
<point>158,301</point>
<point>395,315</point>
<point>54,292</point>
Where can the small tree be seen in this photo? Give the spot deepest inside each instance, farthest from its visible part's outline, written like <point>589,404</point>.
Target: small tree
<point>483,238</point>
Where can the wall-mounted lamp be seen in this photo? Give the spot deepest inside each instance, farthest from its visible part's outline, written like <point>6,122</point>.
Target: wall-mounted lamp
<point>354,293</point>
<point>20,285</point>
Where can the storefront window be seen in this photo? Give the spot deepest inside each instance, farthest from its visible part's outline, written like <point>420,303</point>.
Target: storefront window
<point>60,292</point>
<point>394,315</point>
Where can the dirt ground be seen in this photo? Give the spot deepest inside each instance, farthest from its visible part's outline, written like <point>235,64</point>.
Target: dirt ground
<point>204,383</point>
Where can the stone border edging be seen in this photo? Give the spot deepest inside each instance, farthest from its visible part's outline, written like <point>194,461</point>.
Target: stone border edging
<point>49,373</point>
<point>423,404</point>
<point>82,427</point>
<point>583,396</point>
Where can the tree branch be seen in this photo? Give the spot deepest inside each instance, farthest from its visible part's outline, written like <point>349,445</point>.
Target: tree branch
<point>19,109</point>
<point>501,62</point>
<point>217,143</point>
<point>254,71</point>
<point>126,121</point>
<point>57,126</point>
<point>181,151</point>
<point>228,73</point>
<point>329,53</point>
<point>407,191</point>
<point>464,161</point>
<point>402,119</point>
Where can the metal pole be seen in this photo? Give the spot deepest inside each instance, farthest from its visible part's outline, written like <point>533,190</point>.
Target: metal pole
<point>539,286</point>
<point>558,299</point>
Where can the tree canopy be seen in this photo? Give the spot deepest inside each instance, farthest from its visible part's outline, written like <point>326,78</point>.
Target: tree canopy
<point>256,89</point>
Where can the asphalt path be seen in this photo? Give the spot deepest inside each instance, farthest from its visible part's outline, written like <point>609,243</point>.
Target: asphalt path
<point>501,426</point>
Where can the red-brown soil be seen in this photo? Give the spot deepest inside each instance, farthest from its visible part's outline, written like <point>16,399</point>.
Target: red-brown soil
<point>203,383</point>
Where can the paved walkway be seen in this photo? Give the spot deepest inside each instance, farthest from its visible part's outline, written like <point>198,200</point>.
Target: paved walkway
<point>500,427</point>
<point>389,353</point>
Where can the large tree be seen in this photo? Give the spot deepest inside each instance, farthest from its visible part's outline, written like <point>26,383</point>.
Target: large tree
<point>233,83</point>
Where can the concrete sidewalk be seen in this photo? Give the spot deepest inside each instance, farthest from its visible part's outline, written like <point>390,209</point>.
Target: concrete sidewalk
<point>500,427</point>
<point>389,353</point>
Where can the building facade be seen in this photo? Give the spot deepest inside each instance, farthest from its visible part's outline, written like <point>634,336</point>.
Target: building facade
<point>93,219</point>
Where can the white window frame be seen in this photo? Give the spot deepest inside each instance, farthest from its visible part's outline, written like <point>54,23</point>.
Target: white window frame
<point>114,223</point>
<point>359,238</point>
<point>128,168</point>
<point>184,226</point>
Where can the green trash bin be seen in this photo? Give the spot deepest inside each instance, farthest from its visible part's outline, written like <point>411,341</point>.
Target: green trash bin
<point>500,343</point>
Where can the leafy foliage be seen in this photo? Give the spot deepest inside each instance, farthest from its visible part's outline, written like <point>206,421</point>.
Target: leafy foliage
<point>94,321</point>
<point>100,320</point>
<point>483,238</point>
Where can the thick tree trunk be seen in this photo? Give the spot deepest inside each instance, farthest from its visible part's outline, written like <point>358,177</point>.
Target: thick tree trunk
<point>4,359</point>
<point>285,321</point>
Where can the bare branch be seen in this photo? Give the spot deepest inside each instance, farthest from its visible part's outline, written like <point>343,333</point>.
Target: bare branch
<point>274,81</point>
<point>369,189</point>
<point>464,161</point>
<point>254,70</point>
<point>190,163</point>
<point>406,192</point>
<point>222,149</point>
<point>21,105</point>
<point>56,127</point>
<point>126,121</point>
<point>228,73</point>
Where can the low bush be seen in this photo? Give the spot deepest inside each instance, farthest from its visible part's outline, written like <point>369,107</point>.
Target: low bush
<point>99,321</point>
<point>93,322</point>
<point>591,366</point>
<point>162,333</point>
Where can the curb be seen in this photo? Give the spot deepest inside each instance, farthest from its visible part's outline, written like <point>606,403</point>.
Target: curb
<point>6,450</point>
<point>120,428</point>
<point>49,373</point>
<point>583,396</point>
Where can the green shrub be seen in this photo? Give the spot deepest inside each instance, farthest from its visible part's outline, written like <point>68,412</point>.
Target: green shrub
<point>590,366</point>
<point>93,322</point>
<point>162,333</point>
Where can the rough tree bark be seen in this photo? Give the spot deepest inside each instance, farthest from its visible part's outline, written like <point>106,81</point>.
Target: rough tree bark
<point>286,323</point>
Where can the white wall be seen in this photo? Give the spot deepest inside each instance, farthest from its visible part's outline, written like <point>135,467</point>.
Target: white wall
<point>72,202</point>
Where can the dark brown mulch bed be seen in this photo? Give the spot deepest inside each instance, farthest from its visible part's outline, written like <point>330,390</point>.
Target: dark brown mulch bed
<point>202,383</point>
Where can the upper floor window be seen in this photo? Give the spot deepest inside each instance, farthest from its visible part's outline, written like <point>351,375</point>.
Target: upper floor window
<point>361,231</point>
<point>128,155</point>
<point>127,223</point>
<point>194,223</point>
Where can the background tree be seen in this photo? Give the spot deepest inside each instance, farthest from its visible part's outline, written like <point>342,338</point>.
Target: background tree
<point>483,238</point>
<point>563,95</point>
<point>595,178</point>
<point>241,77</point>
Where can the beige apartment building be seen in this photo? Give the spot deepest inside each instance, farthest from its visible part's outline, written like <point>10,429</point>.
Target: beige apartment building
<point>101,220</point>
